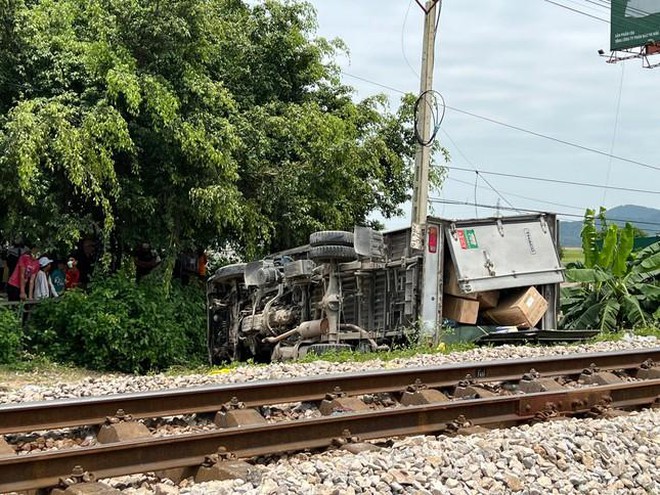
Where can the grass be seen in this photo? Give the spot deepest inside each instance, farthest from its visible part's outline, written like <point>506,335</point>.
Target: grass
<point>396,353</point>
<point>571,255</point>
<point>38,370</point>
<point>650,331</point>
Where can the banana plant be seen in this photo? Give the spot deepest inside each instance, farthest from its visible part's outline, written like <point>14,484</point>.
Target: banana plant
<point>615,287</point>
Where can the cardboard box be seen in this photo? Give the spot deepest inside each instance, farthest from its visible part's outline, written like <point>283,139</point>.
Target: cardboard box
<point>522,309</point>
<point>451,286</point>
<point>488,299</point>
<point>460,309</point>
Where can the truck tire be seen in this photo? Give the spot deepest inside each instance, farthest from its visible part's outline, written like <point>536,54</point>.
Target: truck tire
<point>331,238</point>
<point>337,253</point>
<point>229,271</point>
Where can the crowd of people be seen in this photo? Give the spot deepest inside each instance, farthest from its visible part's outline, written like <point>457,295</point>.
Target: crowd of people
<point>27,274</point>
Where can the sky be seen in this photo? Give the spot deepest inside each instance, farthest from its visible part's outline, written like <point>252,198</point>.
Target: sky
<point>525,63</point>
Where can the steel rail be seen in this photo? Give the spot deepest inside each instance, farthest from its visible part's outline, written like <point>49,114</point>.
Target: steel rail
<point>34,471</point>
<point>37,416</point>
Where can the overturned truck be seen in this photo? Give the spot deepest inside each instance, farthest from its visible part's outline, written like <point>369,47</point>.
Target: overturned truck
<point>365,290</point>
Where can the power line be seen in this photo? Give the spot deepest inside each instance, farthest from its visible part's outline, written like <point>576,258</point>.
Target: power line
<point>584,6</point>
<point>517,128</point>
<point>555,181</point>
<point>456,202</point>
<point>577,11</point>
<point>607,6</point>
<point>403,50</point>
<point>375,83</point>
<point>557,140</point>
<point>602,5</point>
<point>552,203</point>
<point>475,168</point>
<point>616,127</point>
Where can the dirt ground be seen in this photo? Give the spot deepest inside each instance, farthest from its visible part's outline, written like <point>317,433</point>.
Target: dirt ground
<point>51,375</point>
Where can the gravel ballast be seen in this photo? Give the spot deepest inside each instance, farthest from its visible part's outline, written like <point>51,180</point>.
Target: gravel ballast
<point>595,456</point>
<point>120,384</point>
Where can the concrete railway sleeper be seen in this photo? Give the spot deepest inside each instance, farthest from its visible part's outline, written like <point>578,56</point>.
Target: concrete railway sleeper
<point>215,453</point>
<point>210,399</point>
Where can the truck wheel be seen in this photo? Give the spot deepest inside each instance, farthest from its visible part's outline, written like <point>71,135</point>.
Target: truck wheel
<point>338,253</point>
<point>228,272</point>
<point>331,238</point>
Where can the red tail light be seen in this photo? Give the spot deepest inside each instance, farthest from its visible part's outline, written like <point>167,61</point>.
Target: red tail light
<point>433,240</point>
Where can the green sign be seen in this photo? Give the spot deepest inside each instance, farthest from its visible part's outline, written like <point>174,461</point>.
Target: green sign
<point>467,239</point>
<point>634,23</point>
<point>471,238</point>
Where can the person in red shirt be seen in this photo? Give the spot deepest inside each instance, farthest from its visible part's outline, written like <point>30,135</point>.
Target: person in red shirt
<point>19,284</point>
<point>72,276</point>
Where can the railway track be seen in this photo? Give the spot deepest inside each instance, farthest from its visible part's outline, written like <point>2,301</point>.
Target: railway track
<point>93,411</point>
<point>428,411</point>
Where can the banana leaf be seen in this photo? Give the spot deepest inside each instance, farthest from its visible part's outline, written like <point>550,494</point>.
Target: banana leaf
<point>589,235</point>
<point>590,318</point>
<point>633,312</point>
<point>606,255</point>
<point>574,313</point>
<point>625,247</point>
<point>608,317</point>
<point>649,292</point>
<point>587,275</point>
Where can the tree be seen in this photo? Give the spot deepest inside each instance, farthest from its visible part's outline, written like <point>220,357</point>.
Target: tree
<point>616,287</point>
<point>186,124</point>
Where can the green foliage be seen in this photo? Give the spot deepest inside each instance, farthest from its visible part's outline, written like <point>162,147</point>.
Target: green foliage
<point>397,352</point>
<point>10,336</point>
<point>649,331</point>
<point>617,288</point>
<point>191,123</point>
<point>119,325</point>
<point>571,255</point>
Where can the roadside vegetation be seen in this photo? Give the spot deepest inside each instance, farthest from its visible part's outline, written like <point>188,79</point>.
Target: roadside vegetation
<point>215,123</point>
<point>616,287</point>
<point>10,337</point>
<point>571,255</point>
<point>121,325</point>
<point>205,123</point>
<point>398,352</point>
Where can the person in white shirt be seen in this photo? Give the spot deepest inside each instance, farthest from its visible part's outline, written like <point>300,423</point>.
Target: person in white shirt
<point>43,285</point>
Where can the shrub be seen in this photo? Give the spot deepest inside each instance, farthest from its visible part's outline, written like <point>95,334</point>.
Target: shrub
<point>10,336</point>
<point>121,325</point>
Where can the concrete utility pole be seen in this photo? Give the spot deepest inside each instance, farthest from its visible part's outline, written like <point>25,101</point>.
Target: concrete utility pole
<point>423,153</point>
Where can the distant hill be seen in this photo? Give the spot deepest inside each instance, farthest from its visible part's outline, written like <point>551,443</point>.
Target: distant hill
<point>646,219</point>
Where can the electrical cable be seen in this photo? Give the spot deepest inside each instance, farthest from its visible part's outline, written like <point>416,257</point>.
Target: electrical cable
<point>616,126</point>
<point>608,6</point>
<point>403,51</point>
<point>430,99</point>
<point>552,203</point>
<point>475,168</point>
<point>555,181</point>
<point>577,11</point>
<point>587,6</point>
<point>456,202</point>
<point>476,179</point>
<point>550,138</point>
<point>599,4</point>
<point>520,129</point>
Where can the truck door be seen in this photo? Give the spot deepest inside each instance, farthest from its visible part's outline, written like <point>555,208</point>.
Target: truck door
<point>500,253</point>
